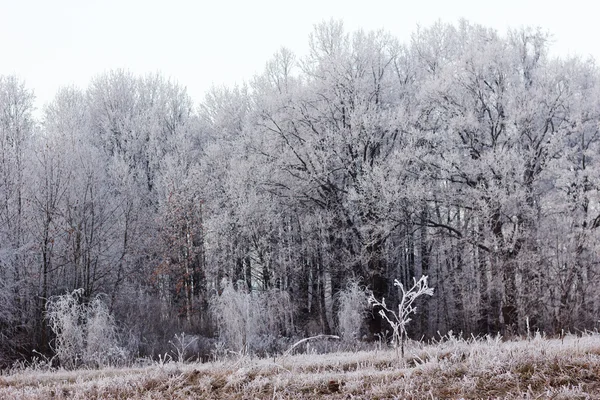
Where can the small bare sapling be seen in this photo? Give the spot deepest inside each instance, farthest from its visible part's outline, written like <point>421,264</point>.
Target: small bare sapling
<point>398,320</point>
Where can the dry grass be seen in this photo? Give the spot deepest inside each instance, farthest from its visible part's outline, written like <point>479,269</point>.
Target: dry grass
<point>453,369</point>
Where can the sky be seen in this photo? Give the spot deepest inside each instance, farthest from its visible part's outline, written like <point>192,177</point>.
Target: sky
<point>202,43</point>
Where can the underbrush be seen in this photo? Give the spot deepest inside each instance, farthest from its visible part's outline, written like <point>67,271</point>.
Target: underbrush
<point>452,367</point>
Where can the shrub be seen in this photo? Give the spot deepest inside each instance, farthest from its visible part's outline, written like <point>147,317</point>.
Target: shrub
<point>102,339</point>
<point>247,320</point>
<point>64,315</point>
<point>86,334</point>
<point>352,307</point>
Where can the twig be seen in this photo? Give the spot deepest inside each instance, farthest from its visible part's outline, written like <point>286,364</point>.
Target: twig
<point>299,342</point>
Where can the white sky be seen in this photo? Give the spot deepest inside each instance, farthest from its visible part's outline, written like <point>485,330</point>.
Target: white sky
<point>200,43</point>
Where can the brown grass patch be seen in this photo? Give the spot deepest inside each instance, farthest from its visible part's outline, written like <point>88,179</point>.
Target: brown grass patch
<point>472,369</point>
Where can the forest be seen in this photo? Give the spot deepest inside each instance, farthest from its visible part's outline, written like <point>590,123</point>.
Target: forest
<point>465,155</point>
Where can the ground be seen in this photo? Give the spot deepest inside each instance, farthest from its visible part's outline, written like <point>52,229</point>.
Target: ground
<point>538,368</point>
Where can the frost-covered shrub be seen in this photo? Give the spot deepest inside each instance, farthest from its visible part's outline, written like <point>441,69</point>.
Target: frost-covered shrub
<point>247,320</point>
<point>102,340</point>
<point>232,311</point>
<point>64,314</point>
<point>352,307</point>
<point>278,317</point>
<point>86,334</point>
<point>398,319</point>
<point>186,347</point>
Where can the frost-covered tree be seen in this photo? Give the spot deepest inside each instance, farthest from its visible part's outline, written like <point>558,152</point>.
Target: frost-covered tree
<point>18,294</point>
<point>466,154</point>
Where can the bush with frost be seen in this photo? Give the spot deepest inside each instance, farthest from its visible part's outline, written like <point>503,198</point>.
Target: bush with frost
<point>64,314</point>
<point>85,334</point>
<point>250,320</point>
<point>102,339</point>
<point>352,309</point>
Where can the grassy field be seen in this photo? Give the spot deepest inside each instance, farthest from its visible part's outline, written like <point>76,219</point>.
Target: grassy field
<point>539,368</point>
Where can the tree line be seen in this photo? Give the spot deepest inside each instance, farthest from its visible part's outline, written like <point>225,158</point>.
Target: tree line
<point>465,155</point>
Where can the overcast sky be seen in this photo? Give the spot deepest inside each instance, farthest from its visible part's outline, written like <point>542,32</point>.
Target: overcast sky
<point>200,43</point>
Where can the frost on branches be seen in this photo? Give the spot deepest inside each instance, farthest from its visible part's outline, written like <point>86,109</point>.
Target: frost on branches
<point>252,321</point>
<point>351,311</point>
<point>86,334</point>
<point>398,320</point>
